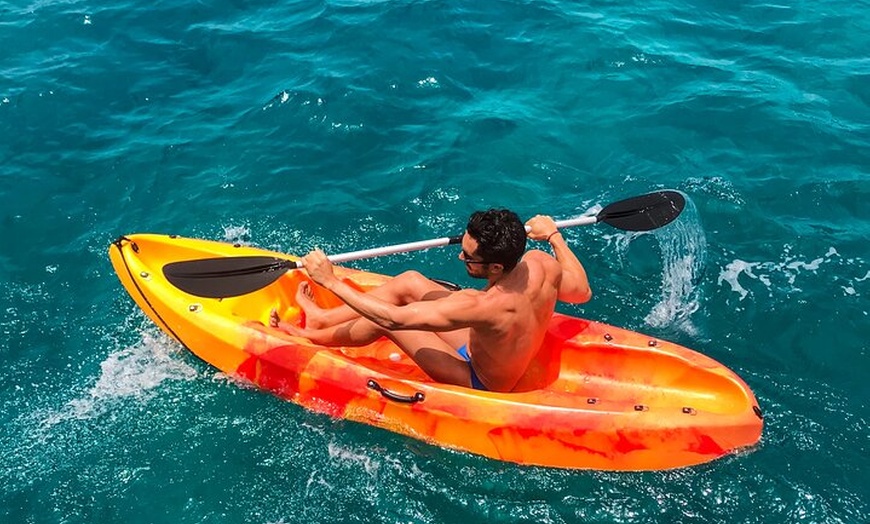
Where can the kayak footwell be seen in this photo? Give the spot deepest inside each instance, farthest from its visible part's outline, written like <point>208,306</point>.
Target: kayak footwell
<point>596,396</point>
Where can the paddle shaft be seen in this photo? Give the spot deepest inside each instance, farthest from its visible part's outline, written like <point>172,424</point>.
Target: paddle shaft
<point>231,276</point>
<point>427,244</point>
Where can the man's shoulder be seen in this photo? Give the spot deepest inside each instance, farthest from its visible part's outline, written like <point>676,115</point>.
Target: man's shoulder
<point>536,253</point>
<point>536,256</point>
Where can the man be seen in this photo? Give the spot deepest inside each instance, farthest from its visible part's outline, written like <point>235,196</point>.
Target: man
<point>482,339</point>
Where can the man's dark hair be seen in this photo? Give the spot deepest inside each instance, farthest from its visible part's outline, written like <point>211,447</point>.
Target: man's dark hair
<point>500,235</point>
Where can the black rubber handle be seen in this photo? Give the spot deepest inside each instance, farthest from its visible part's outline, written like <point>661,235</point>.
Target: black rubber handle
<point>404,399</point>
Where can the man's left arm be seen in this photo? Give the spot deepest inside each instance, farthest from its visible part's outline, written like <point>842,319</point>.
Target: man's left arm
<point>574,287</point>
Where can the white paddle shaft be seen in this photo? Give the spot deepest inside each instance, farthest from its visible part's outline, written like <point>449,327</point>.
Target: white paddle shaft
<point>436,242</point>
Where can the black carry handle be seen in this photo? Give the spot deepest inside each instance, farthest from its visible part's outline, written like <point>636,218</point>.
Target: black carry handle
<point>386,393</point>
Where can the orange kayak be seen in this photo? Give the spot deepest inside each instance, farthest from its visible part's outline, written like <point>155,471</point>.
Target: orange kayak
<point>595,397</point>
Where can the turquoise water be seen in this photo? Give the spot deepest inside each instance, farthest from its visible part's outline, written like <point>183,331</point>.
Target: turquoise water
<point>349,125</point>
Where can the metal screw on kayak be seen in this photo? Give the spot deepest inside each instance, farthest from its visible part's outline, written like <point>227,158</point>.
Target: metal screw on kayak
<point>194,308</point>
<point>653,343</point>
<point>640,407</point>
<point>146,275</point>
<point>608,337</point>
<point>689,411</point>
<point>592,401</point>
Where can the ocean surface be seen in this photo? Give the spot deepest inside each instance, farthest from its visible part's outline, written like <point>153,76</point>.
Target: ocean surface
<point>356,124</point>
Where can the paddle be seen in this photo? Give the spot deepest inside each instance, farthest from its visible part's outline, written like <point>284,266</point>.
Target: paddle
<point>232,276</point>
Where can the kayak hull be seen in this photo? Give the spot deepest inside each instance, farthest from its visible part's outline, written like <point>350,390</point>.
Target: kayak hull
<point>595,397</point>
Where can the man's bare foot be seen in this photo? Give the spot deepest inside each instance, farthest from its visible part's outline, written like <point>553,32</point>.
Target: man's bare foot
<point>313,313</point>
<point>276,322</point>
<point>274,319</point>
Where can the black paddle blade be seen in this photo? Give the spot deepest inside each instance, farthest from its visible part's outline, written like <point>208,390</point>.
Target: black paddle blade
<point>645,212</point>
<point>226,276</point>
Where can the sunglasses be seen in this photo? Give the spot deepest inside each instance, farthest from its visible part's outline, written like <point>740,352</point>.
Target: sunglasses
<point>465,257</point>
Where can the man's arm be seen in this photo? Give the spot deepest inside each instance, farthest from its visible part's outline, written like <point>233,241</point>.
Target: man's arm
<point>574,287</point>
<point>454,311</point>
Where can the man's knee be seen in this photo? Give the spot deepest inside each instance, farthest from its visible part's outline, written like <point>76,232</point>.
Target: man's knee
<point>414,285</point>
<point>411,276</point>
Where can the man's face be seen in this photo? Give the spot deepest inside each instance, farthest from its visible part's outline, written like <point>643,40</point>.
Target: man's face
<point>474,264</point>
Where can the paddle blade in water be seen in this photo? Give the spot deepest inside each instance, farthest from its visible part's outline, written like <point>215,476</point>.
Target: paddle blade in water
<point>226,276</point>
<point>645,212</point>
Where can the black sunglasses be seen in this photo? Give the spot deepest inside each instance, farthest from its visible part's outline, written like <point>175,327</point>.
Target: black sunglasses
<point>465,258</point>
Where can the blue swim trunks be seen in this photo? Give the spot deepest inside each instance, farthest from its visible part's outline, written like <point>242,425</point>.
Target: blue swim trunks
<point>475,381</point>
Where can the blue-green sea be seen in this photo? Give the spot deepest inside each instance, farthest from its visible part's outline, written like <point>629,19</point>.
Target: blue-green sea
<point>356,124</point>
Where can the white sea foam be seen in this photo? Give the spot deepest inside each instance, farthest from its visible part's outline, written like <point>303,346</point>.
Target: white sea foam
<point>281,98</point>
<point>718,187</point>
<point>237,234</point>
<point>348,456</point>
<point>132,372</point>
<point>769,274</point>
<point>429,210</point>
<point>429,82</point>
<point>731,274</point>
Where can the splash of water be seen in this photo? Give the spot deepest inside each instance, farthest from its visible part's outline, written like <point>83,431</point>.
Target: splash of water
<point>132,372</point>
<point>683,248</point>
<point>237,234</point>
<point>684,251</point>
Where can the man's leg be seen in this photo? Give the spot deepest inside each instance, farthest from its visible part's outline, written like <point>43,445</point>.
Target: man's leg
<point>353,333</point>
<point>435,355</point>
<point>408,287</point>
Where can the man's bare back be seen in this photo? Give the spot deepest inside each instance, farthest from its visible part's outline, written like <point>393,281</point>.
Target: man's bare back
<point>520,306</point>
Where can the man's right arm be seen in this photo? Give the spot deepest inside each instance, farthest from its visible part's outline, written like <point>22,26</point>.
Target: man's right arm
<point>453,311</point>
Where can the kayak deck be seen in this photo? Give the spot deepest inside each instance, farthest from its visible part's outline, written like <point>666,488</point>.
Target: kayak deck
<point>595,396</point>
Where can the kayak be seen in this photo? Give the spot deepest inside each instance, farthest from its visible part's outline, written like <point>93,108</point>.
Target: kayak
<point>595,396</point>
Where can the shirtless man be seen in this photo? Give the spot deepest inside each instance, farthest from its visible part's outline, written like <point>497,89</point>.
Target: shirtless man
<point>482,339</point>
